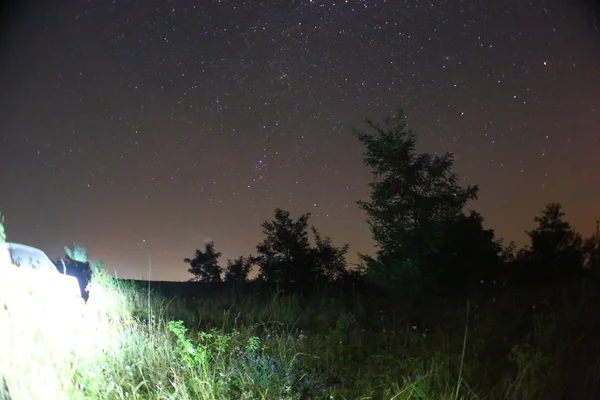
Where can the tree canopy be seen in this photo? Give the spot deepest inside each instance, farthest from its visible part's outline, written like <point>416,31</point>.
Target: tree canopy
<point>286,255</point>
<point>413,199</point>
<point>205,265</point>
<point>555,251</point>
<point>237,270</point>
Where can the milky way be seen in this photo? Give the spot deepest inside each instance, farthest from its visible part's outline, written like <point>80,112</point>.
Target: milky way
<point>148,127</point>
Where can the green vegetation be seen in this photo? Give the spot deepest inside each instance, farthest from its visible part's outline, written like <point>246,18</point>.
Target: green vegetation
<point>334,345</point>
<point>2,230</point>
<point>77,253</point>
<point>4,255</point>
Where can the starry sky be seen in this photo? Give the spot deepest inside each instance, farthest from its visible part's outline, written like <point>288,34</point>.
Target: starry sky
<point>144,128</point>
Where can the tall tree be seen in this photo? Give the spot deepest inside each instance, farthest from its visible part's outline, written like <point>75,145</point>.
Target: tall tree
<point>237,270</point>
<point>553,235</point>
<point>413,198</point>
<point>555,250</point>
<point>205,265</point>
<point>285,255</point>
<point>468,258</point>
<point>329,259</point>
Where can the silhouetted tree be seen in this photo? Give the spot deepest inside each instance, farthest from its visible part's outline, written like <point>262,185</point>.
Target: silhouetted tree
<point>237,270</point>
<point>507,259</point>
<point>553,235</point>
<point>467,258</point>
<point>509,253</point>
<point>591,250</point>
<point>286,256</point>
<point>413,199</point>
<point>555,251</point>
<point>205,266</point>
<point>330,260</point>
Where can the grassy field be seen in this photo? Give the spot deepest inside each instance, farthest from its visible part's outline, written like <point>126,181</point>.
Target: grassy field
<point>138,344</point>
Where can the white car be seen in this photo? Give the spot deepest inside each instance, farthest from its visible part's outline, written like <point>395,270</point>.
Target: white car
<point>32,285</point>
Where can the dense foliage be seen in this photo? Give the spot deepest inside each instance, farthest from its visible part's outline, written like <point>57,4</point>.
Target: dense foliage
<point>205,265</point>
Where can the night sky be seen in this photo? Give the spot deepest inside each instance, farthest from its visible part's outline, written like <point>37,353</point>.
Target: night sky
<point>148,127</point>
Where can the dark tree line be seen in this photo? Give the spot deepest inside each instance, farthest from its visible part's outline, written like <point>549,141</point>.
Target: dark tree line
<point>426,242</point>
<point>284,256</point>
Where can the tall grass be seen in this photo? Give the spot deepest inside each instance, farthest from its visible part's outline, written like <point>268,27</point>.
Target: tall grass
<point>285,347</point>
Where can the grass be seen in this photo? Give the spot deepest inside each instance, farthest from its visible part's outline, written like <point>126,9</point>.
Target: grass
<point>285,346</point>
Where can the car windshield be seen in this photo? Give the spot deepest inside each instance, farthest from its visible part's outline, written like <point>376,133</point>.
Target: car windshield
<point>31,258</point>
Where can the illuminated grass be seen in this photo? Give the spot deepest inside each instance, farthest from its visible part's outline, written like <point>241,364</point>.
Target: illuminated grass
<point>127,347</point>
<point>114,353</point>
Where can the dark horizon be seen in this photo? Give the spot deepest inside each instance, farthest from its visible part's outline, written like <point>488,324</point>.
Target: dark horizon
<point>147,128</point>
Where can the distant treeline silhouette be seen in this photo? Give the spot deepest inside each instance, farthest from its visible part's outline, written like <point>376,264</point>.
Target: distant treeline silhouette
<point>426,243</point>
